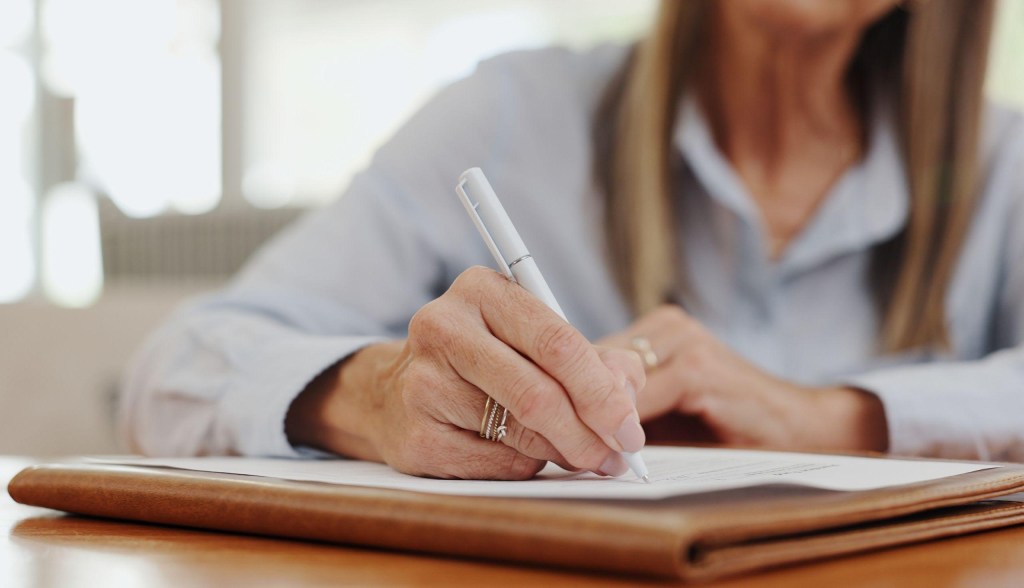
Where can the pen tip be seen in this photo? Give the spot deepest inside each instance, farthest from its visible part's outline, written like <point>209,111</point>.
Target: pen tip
<point>645,478</point>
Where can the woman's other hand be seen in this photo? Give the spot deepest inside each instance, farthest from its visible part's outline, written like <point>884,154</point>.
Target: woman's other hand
<point>740,404</point>
<point>418,404</point>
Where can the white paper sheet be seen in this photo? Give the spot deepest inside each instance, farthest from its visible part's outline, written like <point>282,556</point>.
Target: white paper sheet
<point>673,471</point>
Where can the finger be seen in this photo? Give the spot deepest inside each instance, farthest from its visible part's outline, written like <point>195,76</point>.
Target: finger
<point>427,444</point>
<point>523,322</point>
<point>461,454</point>
<point>465,409</point>
<point>665,328</point>
<point>535,400</point>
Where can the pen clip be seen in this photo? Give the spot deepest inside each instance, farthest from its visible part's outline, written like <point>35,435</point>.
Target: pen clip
<point>482,229</point>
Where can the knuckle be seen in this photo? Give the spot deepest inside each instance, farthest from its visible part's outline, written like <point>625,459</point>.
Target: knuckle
<point>531,400</point>
<point>517,437</point>
<point>525,441</point>
<point>602,403</point>
<point>677,312</point>
<point>426,324</point>
<point>419,379</point>
<point>589,453</point>
<point>434,328</point>
<point>478,288</point>
<point>559,342</point>
<point>522,467</point>
<point>473,279</point>
<point>478,273</point>
<point>603,394</point>
<point>465,279</point>
<point>675,316</point>
<point>670,312</point>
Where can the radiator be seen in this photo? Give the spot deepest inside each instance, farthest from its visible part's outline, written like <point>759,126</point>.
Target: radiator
<point>182,248</point>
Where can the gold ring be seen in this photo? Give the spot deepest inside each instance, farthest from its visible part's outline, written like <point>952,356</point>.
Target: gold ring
<point>642,345</point>
<point>492,426</point>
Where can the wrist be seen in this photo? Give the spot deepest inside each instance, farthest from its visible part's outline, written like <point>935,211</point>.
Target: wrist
<point>336,411</point>
<point>852,419</point>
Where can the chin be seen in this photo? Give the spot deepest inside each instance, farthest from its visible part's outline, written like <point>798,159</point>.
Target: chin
<point>808,18</point>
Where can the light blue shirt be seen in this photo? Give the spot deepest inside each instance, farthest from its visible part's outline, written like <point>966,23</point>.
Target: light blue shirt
<point>220,375</point>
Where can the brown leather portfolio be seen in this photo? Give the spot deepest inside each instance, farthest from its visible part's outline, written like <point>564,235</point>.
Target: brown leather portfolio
<point>694,537</point>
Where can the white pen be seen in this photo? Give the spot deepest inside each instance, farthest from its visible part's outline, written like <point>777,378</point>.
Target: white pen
<point>512,257</point>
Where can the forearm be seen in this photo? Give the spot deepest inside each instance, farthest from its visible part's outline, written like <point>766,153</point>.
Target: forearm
<point>337,411</point>
<point>849,419</point>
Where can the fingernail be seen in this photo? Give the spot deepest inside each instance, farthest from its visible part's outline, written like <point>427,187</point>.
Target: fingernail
<point>614,465</point>
<point>631,434</point>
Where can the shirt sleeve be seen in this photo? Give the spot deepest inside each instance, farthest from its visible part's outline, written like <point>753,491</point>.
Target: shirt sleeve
<point>963,410</point>
<point>969,409</point>
<point>220,375</point>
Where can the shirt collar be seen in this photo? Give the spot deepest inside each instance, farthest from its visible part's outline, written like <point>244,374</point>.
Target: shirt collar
<point>867,205</point>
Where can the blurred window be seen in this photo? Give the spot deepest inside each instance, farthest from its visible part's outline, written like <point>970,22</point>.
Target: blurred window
<point>17,110</point>
<point>1006,71</point>
<point>324,82</point>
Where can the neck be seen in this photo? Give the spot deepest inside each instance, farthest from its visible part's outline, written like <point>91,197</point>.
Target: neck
<point>770,97</point>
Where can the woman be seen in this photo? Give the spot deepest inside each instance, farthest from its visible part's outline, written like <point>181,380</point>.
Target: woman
<point>784,223</point>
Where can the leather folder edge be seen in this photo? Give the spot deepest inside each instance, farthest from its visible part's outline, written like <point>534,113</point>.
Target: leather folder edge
<point>842,520</point>
<point>780,551</point>
<point>576,534</point>
<point>539,532</point>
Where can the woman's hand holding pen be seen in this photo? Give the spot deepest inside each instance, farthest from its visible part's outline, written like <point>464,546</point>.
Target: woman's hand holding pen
<point>699,376</point>
<point>417,404</point>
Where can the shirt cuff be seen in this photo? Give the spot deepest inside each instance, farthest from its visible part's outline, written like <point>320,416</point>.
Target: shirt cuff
<point>925,410</point>
<point>256,406</point>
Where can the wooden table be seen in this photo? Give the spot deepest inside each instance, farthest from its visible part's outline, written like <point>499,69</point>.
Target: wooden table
<point>43,548</point>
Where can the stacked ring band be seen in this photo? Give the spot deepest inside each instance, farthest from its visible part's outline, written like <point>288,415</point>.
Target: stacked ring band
<point>642,345</point>
<point>492,426</point>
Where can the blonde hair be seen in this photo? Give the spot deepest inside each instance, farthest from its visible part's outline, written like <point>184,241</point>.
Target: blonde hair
<point>935,56</point>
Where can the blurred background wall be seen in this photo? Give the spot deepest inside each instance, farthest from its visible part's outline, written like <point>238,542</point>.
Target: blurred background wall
<point>147,147</point>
